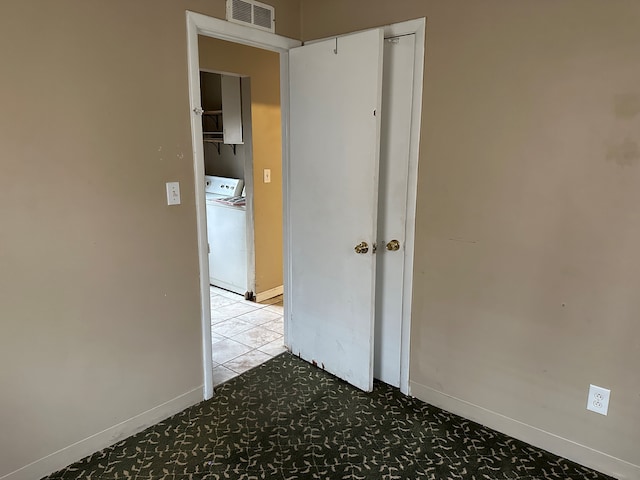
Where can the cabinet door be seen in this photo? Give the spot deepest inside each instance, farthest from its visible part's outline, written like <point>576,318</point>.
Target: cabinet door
<point>335,90</point>
<point>231,110</point>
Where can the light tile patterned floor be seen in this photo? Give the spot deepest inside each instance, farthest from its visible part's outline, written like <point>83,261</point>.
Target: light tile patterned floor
<point>244,334</point>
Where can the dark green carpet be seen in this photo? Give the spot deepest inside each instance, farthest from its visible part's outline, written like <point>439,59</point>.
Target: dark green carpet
<point>288,420</point>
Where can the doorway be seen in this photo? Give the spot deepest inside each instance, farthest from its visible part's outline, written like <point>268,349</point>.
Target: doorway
<point>240,99</point>
<point>220,29</point>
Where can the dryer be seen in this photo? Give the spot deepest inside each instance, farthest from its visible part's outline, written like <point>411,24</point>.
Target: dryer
<point>227,233</point>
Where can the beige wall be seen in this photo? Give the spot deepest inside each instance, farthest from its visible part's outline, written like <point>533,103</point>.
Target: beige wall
<point>99,294</point>
<point>527,264</point>
<point>528,215</point>
<point>263,68</point>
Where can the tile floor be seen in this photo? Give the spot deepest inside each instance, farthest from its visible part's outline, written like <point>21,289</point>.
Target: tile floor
<point>244,334</point>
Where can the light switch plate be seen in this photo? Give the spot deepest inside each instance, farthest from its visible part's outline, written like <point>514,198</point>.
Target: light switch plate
<point>173,193</point>
<point>267,175</point>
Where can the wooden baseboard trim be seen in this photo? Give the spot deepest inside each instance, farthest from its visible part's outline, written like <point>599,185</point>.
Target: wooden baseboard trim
<point>267,294</point>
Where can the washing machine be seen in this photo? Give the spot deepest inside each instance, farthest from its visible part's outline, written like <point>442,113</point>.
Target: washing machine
<point>227,233</point>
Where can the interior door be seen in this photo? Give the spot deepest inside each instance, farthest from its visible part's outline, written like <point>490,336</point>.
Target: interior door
<point>335,104</point>
<point>397,97</point>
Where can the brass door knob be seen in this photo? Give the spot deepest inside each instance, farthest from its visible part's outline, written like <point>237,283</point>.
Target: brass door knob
<point>362,248</point>
<point>393,245</point>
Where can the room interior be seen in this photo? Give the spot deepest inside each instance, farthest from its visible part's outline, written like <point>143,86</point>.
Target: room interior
<point>526,230</point>
<point>290,420</point>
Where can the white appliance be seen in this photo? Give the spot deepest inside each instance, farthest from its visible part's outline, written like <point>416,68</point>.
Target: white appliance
<point>227,233</point>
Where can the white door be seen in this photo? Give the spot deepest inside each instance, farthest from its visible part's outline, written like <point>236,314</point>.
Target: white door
<point>397,97</point>
<point>335,100</point>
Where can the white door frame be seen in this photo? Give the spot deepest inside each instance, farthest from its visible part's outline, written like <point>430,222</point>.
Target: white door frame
<point>198,24</point>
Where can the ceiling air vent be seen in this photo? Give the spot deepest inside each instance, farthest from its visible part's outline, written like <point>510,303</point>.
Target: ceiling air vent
<point>252,14</point>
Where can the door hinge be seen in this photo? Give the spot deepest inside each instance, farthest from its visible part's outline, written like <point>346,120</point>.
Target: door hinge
<point>374,248</point>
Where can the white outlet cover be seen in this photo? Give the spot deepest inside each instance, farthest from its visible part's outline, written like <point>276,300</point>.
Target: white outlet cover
<point>598,400</point>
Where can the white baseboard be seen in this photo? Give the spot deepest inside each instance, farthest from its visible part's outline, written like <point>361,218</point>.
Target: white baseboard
<point>563,447</point>
<point>267,294</point>
<point>103,439</point>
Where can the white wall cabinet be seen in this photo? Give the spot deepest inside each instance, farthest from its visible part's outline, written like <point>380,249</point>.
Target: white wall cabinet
<point>222,104</point>
<point>231,110</point>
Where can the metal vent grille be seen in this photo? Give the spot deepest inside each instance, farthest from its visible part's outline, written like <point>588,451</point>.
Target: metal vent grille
<point>251,13</point>
<point>241,11</point>
<point>262,17</point>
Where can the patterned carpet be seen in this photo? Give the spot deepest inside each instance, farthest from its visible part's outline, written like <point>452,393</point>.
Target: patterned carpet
<point>288,420</point>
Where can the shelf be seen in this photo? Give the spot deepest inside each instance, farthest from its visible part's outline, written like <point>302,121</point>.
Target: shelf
<point>212,112</point>
<point>217,142</point>
<point>212,133</point>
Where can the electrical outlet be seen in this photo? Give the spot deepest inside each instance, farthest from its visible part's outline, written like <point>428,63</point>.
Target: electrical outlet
<point>598,400</point>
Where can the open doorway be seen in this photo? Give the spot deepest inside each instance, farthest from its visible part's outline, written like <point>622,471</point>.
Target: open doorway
<point>301,177</point>
<point>240,99</point>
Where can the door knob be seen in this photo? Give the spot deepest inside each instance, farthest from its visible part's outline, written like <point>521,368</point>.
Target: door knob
<point>393,245</point>
<point>362,248</point>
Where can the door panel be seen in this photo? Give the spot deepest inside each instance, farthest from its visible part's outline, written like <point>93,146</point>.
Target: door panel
<point>394,170</point>
<point>335,102</point>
